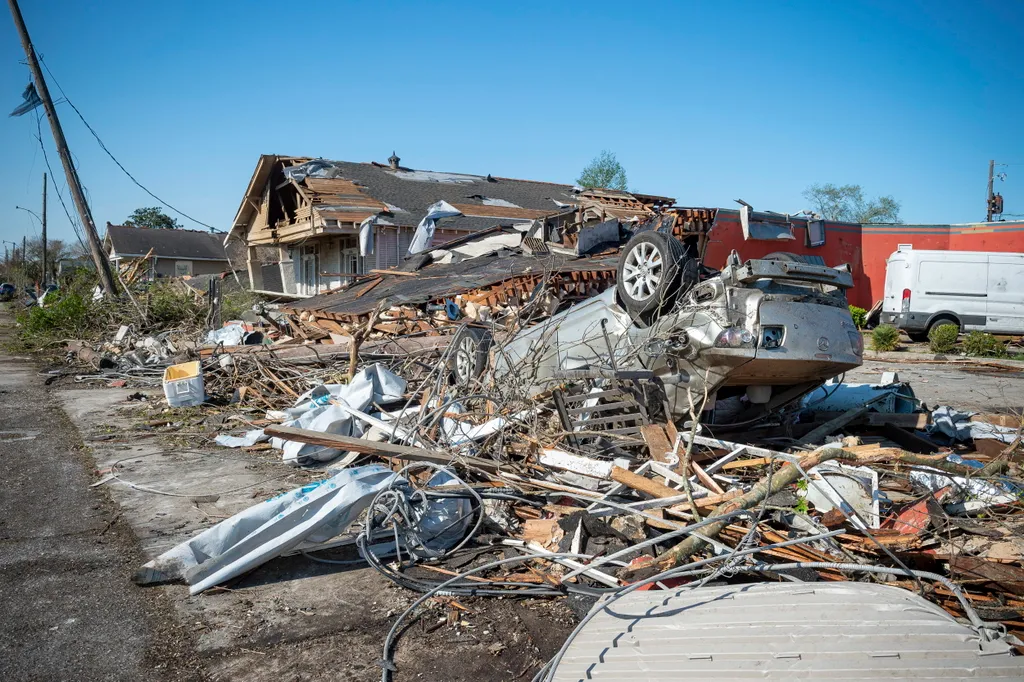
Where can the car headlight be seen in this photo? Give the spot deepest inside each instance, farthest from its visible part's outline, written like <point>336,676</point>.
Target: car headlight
<point>734,337</point>
<point>857,341</point>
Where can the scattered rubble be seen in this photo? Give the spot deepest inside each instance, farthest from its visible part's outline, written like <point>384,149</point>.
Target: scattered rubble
<point>590,411</point>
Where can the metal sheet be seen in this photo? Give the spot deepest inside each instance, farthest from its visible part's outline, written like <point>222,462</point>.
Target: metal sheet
<point>781,631</point>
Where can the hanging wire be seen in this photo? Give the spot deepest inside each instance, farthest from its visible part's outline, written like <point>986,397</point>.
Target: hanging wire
<point>74,223</point>
<point>114,158</point>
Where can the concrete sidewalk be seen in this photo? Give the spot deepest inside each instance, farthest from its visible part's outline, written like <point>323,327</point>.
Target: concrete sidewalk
<point>68,610</point>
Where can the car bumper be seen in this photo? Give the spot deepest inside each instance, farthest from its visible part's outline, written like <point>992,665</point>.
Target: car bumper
<point>913,322</point>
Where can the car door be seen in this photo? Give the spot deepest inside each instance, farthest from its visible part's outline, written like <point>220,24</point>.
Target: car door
<point>1005,309</point>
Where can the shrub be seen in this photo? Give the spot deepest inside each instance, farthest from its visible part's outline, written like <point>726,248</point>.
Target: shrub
<point>860,316</point>
<point>984,345</point>
<point>236,302</point>
<point>169,306</point>
<point>885,337</point>
<point>941,339</point>
<point>66,318</point>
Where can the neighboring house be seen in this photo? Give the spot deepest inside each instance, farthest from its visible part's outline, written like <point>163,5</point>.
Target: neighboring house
<point>175,253</point>
<point>300,218</point>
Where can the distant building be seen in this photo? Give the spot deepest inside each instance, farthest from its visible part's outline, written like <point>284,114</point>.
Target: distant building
<point>175,253</point>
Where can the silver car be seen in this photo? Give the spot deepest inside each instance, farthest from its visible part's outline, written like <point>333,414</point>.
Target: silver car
<point>761,333</point>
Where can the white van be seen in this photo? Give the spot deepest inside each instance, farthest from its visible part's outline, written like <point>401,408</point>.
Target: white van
<point>977,290</point>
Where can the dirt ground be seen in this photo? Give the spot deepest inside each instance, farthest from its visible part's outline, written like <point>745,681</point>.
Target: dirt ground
<point>68,551</point>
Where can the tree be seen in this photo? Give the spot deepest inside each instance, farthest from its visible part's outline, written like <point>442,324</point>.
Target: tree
<point>151,217</point>
<point>604,171</point>
<point>846,203</point>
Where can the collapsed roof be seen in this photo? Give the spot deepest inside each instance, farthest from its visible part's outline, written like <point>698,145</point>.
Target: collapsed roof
<point>286,191</point>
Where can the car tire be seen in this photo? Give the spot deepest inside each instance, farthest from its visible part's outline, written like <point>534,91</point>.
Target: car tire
<point>784,256</point>
<point>467,360</point>
<point>651,268</point>
<point>939,321</point>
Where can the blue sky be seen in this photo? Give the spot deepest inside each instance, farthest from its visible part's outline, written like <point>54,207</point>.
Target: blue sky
<point>703,101</point>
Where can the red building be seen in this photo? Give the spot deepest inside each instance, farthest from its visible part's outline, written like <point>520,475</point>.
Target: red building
<point>864,247</point>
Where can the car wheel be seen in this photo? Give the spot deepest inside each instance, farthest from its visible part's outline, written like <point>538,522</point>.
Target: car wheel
<point>467,359</point>
<point>939,321</point>
<point>784,256</point>
<point>649,272</point>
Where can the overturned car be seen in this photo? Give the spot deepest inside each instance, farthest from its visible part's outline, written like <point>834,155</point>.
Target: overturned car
<point>743,341</point>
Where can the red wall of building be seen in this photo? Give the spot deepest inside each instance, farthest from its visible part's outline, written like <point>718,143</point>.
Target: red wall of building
<point>865,247</point>
<point>842,245</point>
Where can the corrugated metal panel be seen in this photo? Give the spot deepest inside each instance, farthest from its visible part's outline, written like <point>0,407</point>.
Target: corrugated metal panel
<point>773,631</point>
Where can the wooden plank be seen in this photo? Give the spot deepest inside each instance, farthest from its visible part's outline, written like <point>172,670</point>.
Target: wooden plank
<point>402,273</point>
<point>706,480</point>
<point>642,484</point>
<point>742,463</point>
<point>991,574</point>
<point>369,286</point>
<point>908,440</point>
<point>658,445</point>
<point>1008,420</point>
<point>387,450</point>
<point>833,425</point>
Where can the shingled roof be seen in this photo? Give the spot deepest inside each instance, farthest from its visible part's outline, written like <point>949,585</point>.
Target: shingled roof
<point>128,241</point>
<point>408,193</point>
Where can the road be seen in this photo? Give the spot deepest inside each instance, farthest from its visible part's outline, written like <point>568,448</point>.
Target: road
<point>67,608</point>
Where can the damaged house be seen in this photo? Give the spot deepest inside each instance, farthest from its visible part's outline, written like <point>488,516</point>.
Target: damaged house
<point>312,225</point>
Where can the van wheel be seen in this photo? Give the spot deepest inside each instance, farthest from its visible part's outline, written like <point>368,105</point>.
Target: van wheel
<point>468,358</point>
<point>939,321</point>
<point>650,270</point>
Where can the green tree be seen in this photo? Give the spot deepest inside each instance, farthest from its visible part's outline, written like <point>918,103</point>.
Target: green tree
<point>151,217</point>
<point>604,171</point>
<point>846,203</point>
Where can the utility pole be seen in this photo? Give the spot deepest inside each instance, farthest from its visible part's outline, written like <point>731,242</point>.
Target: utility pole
<point>44,231</point>
<point>988,199</point>
<point>24,253</point>
<point>74,184</point>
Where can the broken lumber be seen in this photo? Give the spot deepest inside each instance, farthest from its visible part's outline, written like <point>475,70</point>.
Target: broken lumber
<point>832,425</point>
<point>766,487</point>
<point>386,450</point>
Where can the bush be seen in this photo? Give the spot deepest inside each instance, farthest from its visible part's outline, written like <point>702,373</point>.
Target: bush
<point>66,318</point>
<point>170,306</point>
<point>941,339</point>
<point>980,344</point>
<point>885,337</point>
<point>860,316</point>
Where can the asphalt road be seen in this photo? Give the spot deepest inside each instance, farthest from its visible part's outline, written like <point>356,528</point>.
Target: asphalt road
<point>67,608</point>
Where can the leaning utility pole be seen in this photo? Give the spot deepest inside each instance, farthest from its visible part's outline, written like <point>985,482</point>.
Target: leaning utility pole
<point>988,199</point>
<point>44,231</point>
<point>102,264</point>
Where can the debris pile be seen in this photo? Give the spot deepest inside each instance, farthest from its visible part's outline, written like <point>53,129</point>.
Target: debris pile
<point>517,422</point>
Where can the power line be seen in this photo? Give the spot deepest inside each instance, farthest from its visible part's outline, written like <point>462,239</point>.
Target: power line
<point>56,187</point>
<point>114,159</point>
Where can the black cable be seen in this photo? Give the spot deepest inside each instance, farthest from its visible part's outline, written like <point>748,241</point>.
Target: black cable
<point>114,159</point>
<point>56,187</point>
